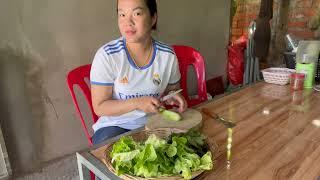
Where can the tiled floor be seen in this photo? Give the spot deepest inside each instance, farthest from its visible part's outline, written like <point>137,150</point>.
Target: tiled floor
<point>64,169</point>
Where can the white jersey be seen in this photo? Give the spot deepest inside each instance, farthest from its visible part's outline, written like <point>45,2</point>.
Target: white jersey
<point>113,66</point>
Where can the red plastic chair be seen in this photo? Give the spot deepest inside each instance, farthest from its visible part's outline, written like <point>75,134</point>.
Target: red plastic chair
<point>187,56</point>
<point>77,77</point>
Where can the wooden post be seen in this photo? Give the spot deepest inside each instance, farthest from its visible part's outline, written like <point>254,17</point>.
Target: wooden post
<point>280,27</point>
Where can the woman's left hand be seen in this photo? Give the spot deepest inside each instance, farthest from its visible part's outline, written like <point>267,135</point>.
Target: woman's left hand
<point>178,100</point>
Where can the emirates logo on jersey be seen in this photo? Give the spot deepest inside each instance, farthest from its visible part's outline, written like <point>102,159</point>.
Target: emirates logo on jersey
<point>124,80</point>
<point>156,79</point>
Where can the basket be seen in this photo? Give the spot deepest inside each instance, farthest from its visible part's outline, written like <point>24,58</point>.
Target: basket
<point>280,76</point>
<point>162,133</point>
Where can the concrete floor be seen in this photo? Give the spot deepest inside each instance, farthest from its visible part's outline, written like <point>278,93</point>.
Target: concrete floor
<point>63,169</point>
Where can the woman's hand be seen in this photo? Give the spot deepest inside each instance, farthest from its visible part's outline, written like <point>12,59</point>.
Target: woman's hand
<point>178,100</point>
<point>148,104</point>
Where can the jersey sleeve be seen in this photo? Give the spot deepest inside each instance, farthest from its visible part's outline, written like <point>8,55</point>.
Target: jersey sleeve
<point>175,73</point>
<point>102,70</point>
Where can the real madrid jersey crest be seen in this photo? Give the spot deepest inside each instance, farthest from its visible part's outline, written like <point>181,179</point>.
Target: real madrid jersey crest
<point>113,66</point>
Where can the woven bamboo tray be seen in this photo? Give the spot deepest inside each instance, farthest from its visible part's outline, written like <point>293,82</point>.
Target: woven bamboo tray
<point>280,76</point>
<point>162,133</point>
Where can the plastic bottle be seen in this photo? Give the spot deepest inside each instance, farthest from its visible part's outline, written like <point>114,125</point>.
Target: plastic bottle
<point>307,57</point>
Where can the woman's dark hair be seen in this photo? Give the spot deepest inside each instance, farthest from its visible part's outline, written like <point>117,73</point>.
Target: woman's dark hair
<point>152,6</point>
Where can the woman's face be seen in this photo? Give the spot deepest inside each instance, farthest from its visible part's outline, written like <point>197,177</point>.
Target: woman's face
<point>134,20</point>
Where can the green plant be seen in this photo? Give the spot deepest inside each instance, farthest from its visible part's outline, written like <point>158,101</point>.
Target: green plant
<point>233,8</point>
<point>314,24</point>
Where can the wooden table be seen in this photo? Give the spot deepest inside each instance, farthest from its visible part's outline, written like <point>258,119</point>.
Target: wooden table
<point>277,135</point>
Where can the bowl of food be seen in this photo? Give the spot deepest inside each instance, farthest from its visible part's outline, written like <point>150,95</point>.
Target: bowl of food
<point>164,153</point>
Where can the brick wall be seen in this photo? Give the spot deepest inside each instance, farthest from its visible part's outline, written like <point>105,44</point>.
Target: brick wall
<point>300,12</point>
<point>246,12</point>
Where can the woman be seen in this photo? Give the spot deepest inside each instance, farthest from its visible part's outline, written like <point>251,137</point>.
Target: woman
<point>128,75</point>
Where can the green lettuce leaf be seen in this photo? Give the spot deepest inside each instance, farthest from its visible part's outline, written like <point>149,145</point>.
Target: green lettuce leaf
<point>165,162</point>
<point>124,144</point>
<point>181,155</point>
<point>146,166</point>
<point>155,141</point>
<point>125,156</point>
<point>206,161</point>
<point>172,149</point>
<point>182,167</point>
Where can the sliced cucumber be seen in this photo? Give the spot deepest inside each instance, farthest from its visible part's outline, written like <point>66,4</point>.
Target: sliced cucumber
<point>170,115</point>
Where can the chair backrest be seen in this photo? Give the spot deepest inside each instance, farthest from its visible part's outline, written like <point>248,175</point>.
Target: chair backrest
<point>77,76</point>
<point>188,56</point>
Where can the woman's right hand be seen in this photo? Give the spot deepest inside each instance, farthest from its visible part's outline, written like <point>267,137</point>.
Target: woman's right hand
<point>148,104</point>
